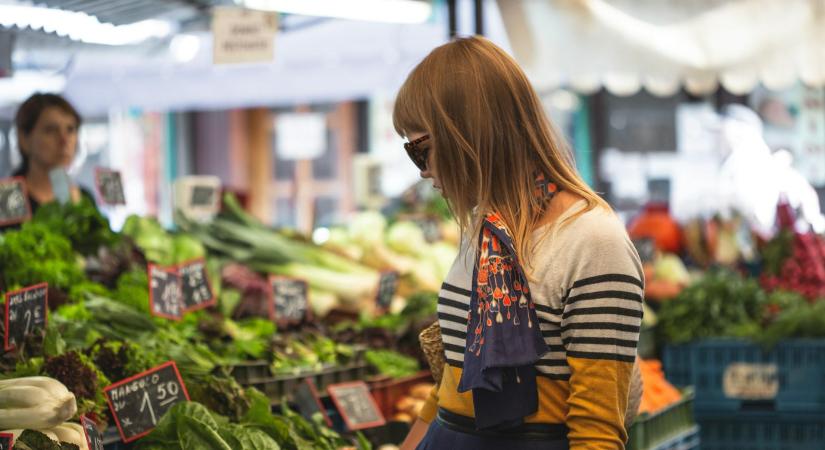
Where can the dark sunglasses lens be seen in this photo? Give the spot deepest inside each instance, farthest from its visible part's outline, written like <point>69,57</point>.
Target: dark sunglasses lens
<point>420,158</point>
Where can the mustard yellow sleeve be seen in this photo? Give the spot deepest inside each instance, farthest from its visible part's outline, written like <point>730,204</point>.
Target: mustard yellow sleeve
<point>597,403</point>
<point>430,409</point>
<point>600,331</point>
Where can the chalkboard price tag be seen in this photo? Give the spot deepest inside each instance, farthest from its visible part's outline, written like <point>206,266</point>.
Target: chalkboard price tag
<point>290,299</point>
<point>356,405</point>
<point>137,403</point>
<point>14,201</point>
<point>197,292</point>
<point>308,402</point>
<point>109,186</point>
<point>387,285</point>
<point>165,293</point>
<point>26,311</point>
<point>6,441</point>
<point>93,438</point>
<point>646,249</point>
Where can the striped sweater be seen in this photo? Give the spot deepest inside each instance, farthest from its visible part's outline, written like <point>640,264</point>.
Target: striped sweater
<point>587,284</point>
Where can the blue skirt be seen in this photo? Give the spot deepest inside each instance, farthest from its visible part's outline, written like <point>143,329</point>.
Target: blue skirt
<point>439,437</point>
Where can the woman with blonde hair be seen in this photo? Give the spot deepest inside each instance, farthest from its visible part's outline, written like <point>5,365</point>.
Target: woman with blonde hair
<point>541,311</point>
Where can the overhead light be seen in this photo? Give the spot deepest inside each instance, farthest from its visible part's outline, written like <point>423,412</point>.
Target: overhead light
<point>80,26</point>
<point>25,83</point>
<point>184,47</point>
<point>389,11</point>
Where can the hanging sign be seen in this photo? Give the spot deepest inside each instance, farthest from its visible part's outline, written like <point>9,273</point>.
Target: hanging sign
<point>243,35</point>
<point>26,311</point>
<point>137,403</point>
<point>109,186</point>
<point>14,201</point>
<point>198,197</point>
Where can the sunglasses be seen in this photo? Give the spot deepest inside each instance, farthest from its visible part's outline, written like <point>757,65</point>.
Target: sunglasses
<point>417,154</point>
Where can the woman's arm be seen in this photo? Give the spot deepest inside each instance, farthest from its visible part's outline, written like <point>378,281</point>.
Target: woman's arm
<point>416,434</point>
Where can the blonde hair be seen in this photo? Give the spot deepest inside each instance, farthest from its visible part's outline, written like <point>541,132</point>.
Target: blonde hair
<point>490,134</point>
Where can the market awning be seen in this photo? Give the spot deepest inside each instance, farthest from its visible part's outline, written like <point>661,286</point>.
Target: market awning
<point>662,45</point>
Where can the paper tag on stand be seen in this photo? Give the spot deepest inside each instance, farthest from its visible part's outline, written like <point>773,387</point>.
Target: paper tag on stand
<point>109,186</point>
<point>747,381</point>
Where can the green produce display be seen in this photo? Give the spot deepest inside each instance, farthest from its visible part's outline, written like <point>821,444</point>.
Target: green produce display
<point>392,364</point>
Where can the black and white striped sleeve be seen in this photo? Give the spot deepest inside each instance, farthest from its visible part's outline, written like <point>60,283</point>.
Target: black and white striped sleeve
<point>602,305</point>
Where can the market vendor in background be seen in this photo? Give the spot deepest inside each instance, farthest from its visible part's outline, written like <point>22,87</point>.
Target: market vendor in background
<point>47,128</point>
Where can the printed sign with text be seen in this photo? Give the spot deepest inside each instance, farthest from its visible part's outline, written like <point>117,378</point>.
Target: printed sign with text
<point>14,201</point>
<point>109,186</point>
<point>197,291</point>
<point>165,293</point>
<point>26,311</point>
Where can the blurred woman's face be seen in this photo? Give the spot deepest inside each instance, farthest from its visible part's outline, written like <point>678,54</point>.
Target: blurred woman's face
<point>53,141</point>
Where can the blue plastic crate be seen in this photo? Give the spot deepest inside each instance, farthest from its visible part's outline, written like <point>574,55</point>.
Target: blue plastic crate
<point>800,366</point>
<point>762,431</point>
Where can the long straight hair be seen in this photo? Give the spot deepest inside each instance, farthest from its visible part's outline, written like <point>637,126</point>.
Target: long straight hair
<point>490,136</point>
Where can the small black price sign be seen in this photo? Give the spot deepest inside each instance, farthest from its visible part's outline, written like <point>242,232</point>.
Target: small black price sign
<point>290,300</point>
<point>387,285</point>
<point>26,311</point>
<point>308,402</point>
<point>165,293</point>
<point>137,403</point>
<point>109,186</point>
<point>203,196</point>
<point>6,441</point>
<point>646,248</point>
<point>14,201</point>
<point>93,438</point>
<point>356,405</point>
<point>197,292</point>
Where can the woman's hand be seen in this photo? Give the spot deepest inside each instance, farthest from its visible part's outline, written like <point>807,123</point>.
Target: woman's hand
<point>416,434</point>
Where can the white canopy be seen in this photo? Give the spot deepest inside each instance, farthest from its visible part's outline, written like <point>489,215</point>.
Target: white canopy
<point>660,45</point>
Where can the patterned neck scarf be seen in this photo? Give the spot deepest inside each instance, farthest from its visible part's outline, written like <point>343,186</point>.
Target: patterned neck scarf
<point>504,340</point>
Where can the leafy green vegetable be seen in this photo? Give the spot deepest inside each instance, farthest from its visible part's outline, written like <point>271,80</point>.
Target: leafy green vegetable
<point>720,304</point>
<point>35,440</point>
<point>392,364</point>
<point>81,223</point>
<point>36,254</point>
<point>190,425</point>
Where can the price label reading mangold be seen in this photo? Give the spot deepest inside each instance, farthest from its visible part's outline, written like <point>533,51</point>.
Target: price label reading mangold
<point>138,403</point>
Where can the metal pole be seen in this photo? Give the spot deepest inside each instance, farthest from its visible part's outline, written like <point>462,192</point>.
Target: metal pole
<point>452,18</point>
<point>479,10</point>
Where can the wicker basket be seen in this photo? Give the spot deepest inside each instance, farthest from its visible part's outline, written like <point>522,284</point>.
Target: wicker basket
<point>433,348</point>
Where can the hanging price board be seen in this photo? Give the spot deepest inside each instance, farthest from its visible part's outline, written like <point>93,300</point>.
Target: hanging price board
<point>93,438</point>
<point>137,403</point>
<point>14,201</point>
<point>6,441</point>
<point>165,293</point>
<point>109,186</point>
<point>387,285</point>
<point>356,405</point>
<point>26,311</point>
<point>197,292</point>
<point>289,299</point>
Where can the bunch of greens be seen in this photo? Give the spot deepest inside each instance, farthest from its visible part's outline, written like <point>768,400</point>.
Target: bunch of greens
<point>788,314</point>
<point>82,377</point>
<point>720,304</point>
<point>392,364</point>
<point>36,254</point>
<point>160,246</point>
<point>308,351</point>
<point>81,223</point>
